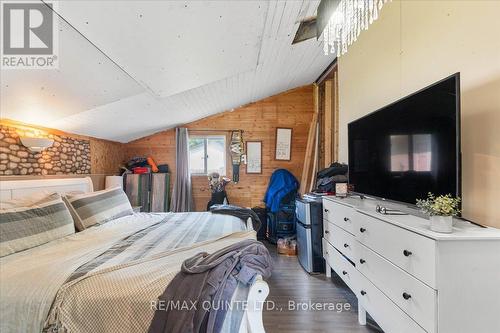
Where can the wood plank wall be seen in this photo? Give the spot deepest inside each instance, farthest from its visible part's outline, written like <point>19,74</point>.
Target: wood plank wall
<point>106,156</point>
<point>293,109</point>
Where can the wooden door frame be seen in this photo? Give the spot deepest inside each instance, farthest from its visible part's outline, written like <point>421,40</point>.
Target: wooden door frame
<point>328,116</point>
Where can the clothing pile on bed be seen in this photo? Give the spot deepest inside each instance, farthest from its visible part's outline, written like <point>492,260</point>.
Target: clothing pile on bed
<point>209,281</point>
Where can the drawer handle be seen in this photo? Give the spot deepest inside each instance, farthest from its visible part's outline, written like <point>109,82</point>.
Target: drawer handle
<point>362,261</point>
<point>346,245</point>
<point>327,232</point>
<point>362,229</point>
<point>326,210</point>
<point>363,292</point>
<point>407,253</point>
<point>406,296</point>
<point>344,273</point>
<point>346,219</point>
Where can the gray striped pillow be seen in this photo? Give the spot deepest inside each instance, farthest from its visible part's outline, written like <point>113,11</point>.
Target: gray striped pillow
<point>22,228</point>
<point>98,207</point>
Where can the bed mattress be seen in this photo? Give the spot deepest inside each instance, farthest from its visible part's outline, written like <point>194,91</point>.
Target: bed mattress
<point>106,278</point>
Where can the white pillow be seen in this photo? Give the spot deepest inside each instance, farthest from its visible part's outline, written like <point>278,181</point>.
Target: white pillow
<point>26,201</point>
<point>33,199</point>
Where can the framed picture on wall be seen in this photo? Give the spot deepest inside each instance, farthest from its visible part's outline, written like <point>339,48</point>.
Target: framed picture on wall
<point>254,156</point>
<point>283,144</point>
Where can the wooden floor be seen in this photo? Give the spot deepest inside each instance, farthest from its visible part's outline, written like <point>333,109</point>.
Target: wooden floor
<point>290,282</point>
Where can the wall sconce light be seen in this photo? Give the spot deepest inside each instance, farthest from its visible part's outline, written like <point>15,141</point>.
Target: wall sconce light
<point>36,145</point>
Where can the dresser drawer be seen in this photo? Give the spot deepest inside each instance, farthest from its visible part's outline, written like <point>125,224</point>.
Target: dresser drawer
<point>415,298</point>
<point>411,252</point>
<point>341,239</point>
<point>340,264</point>
<point>387,314</point>
<point>338,214</point>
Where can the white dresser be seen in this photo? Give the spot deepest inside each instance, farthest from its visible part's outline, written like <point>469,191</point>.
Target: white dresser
<point>409,278</point>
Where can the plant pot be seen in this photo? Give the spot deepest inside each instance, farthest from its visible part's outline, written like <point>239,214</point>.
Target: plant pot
<point>442,224</point>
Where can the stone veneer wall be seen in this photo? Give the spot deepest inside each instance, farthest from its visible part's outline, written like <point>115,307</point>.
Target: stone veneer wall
<point>66,156</point>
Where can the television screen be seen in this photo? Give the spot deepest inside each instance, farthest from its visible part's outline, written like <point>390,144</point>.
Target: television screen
<point>410,147</point>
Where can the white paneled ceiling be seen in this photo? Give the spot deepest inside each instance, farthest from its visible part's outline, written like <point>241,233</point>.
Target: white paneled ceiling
<point>173,46</point>
<point>132,68</point>
<point>86,79</point>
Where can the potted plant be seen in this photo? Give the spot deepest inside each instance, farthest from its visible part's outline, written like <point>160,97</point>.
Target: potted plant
<point>441,210</point>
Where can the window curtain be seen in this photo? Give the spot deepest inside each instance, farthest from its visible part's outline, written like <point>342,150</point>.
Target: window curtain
<point>182,199</point>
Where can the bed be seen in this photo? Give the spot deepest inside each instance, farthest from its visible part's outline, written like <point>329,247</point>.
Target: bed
<point>107,278</point>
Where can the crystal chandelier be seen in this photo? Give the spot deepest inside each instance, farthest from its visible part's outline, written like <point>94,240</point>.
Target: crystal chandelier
<point>346,23</point>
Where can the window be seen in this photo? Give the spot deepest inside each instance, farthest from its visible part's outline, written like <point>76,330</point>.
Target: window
<point>400,157</point>
<point>422,152</point>
<point>207,154</point>
<point>411,152</point>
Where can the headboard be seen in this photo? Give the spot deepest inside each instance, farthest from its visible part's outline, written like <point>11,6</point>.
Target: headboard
<point>15,189</point>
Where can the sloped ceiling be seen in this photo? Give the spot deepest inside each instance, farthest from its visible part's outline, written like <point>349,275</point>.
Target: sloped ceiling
<point>131,68</point>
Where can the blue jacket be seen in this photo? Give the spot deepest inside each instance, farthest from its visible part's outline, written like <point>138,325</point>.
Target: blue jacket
<point>281,183</point>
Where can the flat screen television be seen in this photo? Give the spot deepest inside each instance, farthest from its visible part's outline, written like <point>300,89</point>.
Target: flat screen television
<point>410,147</point>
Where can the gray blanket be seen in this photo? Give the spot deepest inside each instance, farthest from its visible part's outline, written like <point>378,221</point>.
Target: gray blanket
<point>209,279</point>
<point>239,212</point>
